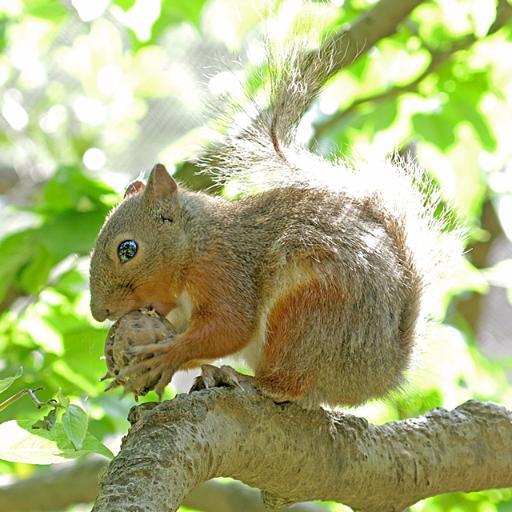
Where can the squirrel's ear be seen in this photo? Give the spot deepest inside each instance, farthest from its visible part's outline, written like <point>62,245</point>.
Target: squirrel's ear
<point>160,183</point>
<point>134,187</point>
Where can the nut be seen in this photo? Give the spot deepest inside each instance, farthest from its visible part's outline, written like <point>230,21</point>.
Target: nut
<point>140,327</point>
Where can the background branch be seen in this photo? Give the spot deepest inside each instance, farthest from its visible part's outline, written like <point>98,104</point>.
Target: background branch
<point>300,455</point>
<point>379,22</point>
<point>438,58</point>
<point>69,484</point>
<point>337,52</point>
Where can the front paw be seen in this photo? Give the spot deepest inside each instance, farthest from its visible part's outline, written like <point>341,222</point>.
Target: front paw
<point>153,372</point>
<point>139,351</point>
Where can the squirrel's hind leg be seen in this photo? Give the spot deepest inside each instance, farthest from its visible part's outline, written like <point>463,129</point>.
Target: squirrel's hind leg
<point>291,355</point>
<point>292,358</point>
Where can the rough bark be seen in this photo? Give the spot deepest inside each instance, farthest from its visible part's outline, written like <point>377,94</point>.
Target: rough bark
<point>298,455</point>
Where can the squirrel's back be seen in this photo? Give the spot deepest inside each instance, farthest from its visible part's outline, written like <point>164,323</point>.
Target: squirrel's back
<point>369,234</point>
<point>341,257</point>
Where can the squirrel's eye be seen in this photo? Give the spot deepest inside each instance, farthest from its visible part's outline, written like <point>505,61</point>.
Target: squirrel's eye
<point>127,250</point>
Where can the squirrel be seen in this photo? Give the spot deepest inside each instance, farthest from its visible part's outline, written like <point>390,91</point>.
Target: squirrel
<point>318,281</point>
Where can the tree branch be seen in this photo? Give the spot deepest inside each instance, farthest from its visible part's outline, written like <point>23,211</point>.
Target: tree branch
<point>72,483</point>
<point>438,58</point>
<point>337,52</point>
<point>470,304</point>
<point>375,24</point>
<point>300,455</point>
<point>65,485</point>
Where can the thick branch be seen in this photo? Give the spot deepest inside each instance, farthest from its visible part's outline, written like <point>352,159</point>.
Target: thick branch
<point>300,455</point>
<point>65,485</point>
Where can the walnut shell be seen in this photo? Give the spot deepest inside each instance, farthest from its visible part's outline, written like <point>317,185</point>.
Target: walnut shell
<point>140,327</point>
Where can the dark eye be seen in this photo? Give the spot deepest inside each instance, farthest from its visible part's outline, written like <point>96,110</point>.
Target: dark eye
<point>127,250</point>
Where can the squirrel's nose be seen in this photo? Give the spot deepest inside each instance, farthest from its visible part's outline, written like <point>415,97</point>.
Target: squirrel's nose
<point>99,313</point>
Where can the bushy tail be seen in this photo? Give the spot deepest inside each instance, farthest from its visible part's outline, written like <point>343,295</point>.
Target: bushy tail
<point>263,153</point>
<point>260,146</point>
<point>296,78</point>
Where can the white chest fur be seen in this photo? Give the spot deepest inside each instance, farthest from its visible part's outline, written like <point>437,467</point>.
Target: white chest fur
<point>250,355</point>
<point>181,314</point>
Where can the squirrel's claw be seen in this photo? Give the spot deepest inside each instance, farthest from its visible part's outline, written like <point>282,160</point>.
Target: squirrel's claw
<point>165,378</point>
<point>144,374</point>
<point>112,385</point>
<point>136,368</point>
<point>108,375</point>
<point>225,376</point>
<point>151,348</point>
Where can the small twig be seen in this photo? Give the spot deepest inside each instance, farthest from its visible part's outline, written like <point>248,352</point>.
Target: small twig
<point>31,394</point>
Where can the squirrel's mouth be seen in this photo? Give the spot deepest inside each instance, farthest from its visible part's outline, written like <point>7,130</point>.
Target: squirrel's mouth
<point>160,307</point>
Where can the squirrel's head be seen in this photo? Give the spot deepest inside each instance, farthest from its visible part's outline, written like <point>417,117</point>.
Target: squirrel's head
<point>133,264</point>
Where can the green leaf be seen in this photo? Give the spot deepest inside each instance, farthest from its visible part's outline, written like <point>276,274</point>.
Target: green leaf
<point>62,399</point>
<point>125,4</point>
<point>72,189</point>
<point>435,128</point>
<point>466,111</point>
<point>35,274</point>
<point>21,443</point>
<point>71,232</point>
<point>15,251</point>
<point>6,383</point>
<point>52,10</point>
<point>4,23</point>
<point>174,12</point>
<point>74,422</point>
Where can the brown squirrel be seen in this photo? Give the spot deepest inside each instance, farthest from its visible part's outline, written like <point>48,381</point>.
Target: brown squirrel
<point>317,282</point>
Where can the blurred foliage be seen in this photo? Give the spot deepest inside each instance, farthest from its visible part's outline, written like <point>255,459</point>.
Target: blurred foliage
<point>80,83</point>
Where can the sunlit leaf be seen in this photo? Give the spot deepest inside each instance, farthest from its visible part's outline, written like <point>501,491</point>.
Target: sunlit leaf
<point>175,12</point>
<point>48,422</point>
<point>20,443</point>
<point>74,422</point>
<point>62,400</point>
<point>71,189</point>
<point>52,10</point>
<point>15,251</point>
<point>500,274</point>
<point>71,232</point>
<point>35,274</point>
<point>4,23</point>
<point>435,129</point>
<point>124,4</point>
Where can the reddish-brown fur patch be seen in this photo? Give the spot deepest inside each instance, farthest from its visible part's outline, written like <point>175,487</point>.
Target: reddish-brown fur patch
<point>218,325</point>
<point>281,372</point>
<point>194,363</point>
